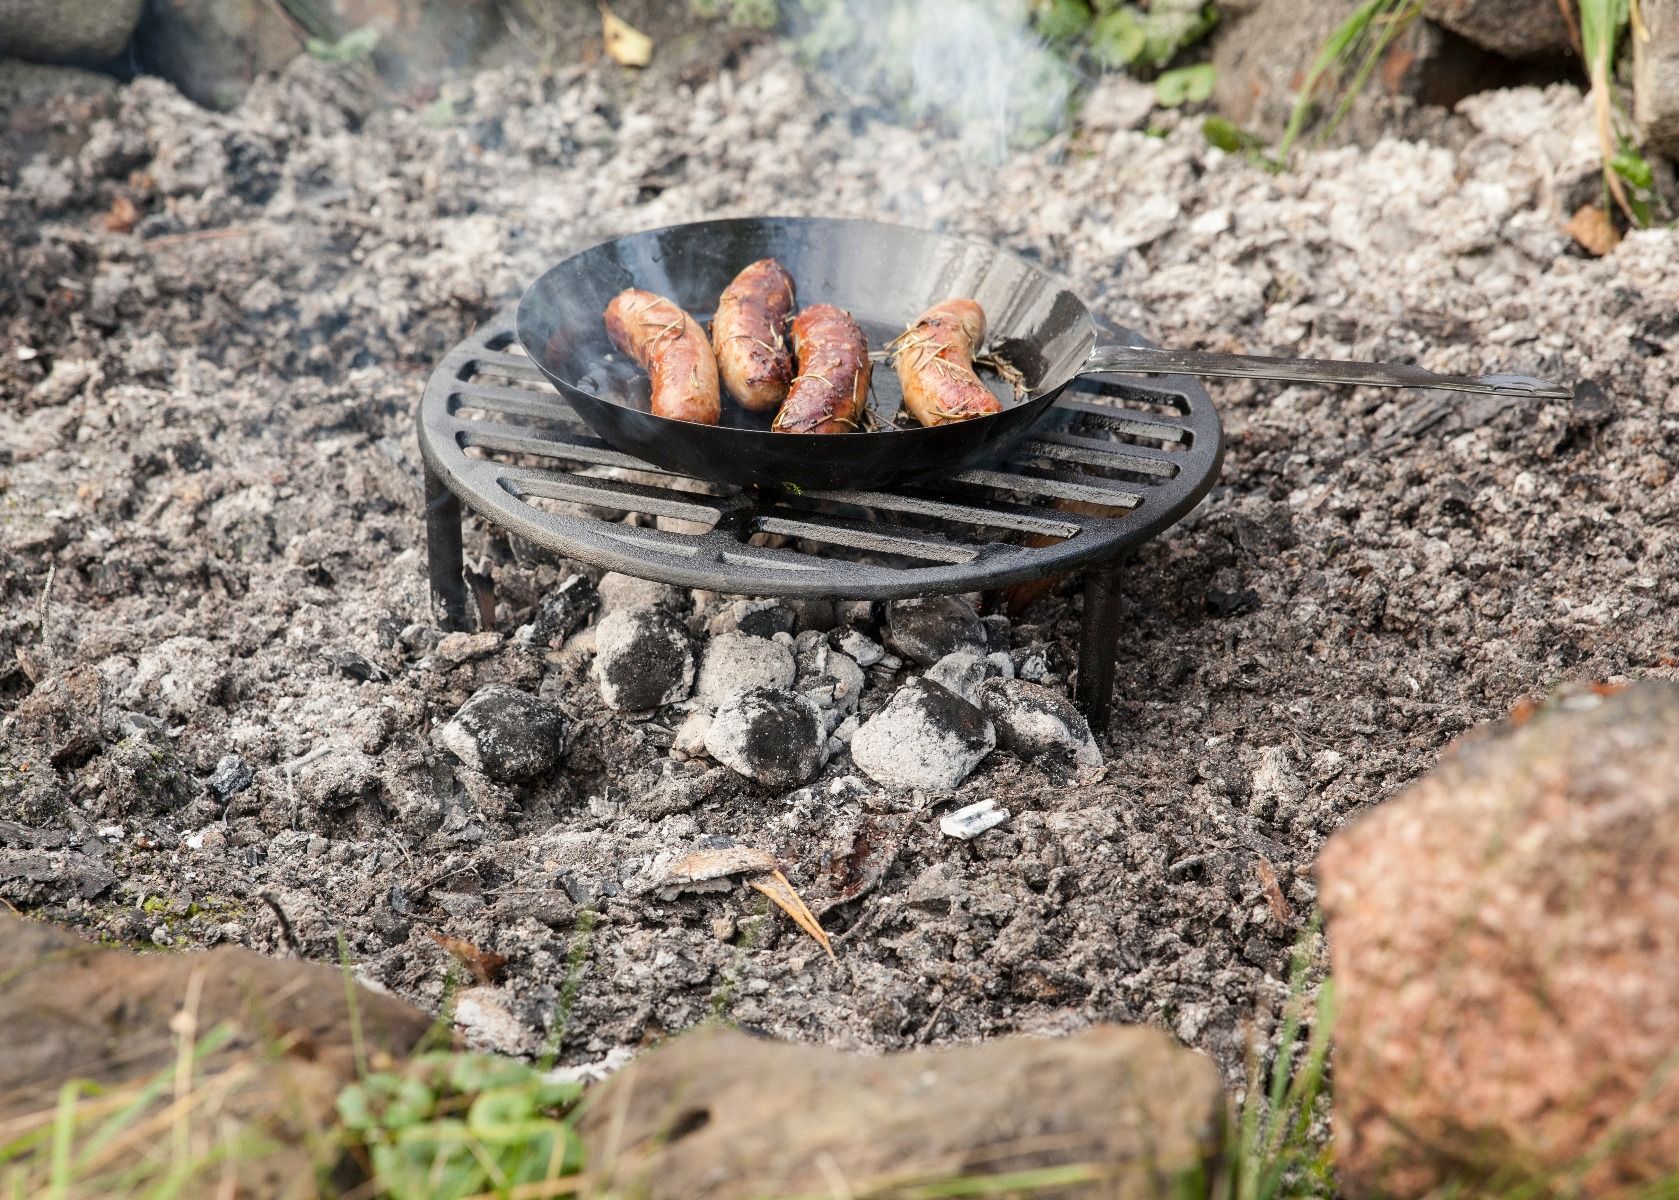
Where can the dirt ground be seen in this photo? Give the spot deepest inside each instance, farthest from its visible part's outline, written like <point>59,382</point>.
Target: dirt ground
<point>211,545</point>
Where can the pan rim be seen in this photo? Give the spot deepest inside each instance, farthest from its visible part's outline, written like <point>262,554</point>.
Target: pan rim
<point>1037,399</point>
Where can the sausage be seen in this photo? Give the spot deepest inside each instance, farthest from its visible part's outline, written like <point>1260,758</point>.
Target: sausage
<point>749,335</point>
<point>832,386</point>
<point>935,358</point>
<point>671,346</point>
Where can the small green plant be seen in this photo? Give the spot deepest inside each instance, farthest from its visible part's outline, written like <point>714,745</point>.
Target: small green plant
<point>355,46</point>
<point>1345,62</point>
<point>447,1126</point>
<point>1627,177</point>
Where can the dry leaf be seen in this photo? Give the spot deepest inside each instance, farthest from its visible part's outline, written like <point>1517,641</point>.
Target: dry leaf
<point>1273,890</point>
<point>1592,227</point>
<point>122,216</point>
<point>775,886</point>
<point>625,45</point>
<point>714,863</point>
<point>485,965</point>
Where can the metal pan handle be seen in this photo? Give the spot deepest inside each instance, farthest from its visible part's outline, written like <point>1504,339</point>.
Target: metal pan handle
<point>1148,360</point>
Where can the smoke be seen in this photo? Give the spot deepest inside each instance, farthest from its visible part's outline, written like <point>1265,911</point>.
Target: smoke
<point>973,66</point>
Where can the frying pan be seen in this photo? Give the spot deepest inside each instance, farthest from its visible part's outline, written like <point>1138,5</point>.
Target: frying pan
<point>885,276</point>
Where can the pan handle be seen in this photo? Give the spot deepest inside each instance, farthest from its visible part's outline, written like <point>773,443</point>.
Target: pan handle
<point>1149,360</point>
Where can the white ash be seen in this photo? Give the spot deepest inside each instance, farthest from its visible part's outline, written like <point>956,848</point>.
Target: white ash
<point>862,648</point>
<point>969,822</point>
<point>628,591</point>
<point>926,737</point>
<point>690,735</point>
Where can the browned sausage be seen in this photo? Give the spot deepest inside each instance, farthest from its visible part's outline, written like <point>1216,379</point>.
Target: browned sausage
<point>832,386</point>
<point>749,334</point>
<point>935,358</point>
<point>671,346</point>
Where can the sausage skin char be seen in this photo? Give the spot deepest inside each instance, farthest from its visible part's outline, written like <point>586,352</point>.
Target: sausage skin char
<point>832,386</point>
<point>671,347</point>
<point>749,335</point>
<point>935,358</point>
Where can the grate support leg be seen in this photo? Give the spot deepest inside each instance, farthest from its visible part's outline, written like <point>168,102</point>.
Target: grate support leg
<point>444,556</point>
<point>1098,644</point>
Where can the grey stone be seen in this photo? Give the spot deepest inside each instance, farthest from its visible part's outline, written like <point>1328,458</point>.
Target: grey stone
<point>563,611</point>
<point>1512,28</point>
<point>213,50</point>
<point>734,663</point>
<point>770,735</point>
<point>927,628</point>
<point>760,618</point>
<point>231,776</point>
<point>690,735</point>
<point>67,31</point>
<point>926,737</point>
<point>1655,77</point>
<point>1041,726</point>
<point>626,591</point>
<point>505,733</point>
<point>643,658</point>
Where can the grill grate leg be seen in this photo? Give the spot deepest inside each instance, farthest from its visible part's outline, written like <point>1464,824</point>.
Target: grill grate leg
<point>444,561</point>
<point>1098,645</point>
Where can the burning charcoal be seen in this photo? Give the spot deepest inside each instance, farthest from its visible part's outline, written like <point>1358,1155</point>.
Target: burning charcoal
<point>690,736</point>
<point>861,647</point>
<point>643,659</point>
<point>928,628</point>
<point>769,735</point>
<point>737,662</point>
<point>1041,726</point>
<point>963,672</point>
<point>626,591</point>
<point>506,734</point>
<point>760,618</point>
<point>231,776</point>
<point>563,611</point>
<point>926,737</point>
<point>968,823</point>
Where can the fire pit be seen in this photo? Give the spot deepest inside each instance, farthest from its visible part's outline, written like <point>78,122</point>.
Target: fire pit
<point>1118,460</point>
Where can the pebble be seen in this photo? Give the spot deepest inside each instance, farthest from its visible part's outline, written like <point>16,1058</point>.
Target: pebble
<point>505,733</point>
<point>643,659</point>
<point>1041,726</point>
<point>927,628</point>
<point>770,735</point>
<point>562,612</point>
<point>463,647</point>
<point>864,649</point>
<point>926,737</point>
<point>231,776</point>
<point>734,663</point>
<point>690,735</point>
<point>968,823</point>
<point>626,591</point>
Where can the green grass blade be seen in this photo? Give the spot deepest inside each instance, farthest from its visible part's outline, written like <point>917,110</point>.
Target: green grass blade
<point>1339,46</point>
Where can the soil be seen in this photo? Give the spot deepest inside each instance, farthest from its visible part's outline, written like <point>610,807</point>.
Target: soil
<point>215,331</point>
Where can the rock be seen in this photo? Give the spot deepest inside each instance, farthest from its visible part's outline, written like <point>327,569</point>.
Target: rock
<point>760,618</point>
<point>65,714</point>
<point>212,50</point>
<point>968,823</point>
<point>1512,28</point>
<point>864,649</point>
<point>1655,77</point>
<point>231,776</point>
<point>1042,727</point>
<point>285,1024</point>
<point>770,735</point>
<point>626,591</point>
<point>1261,61</point>
<point>693,1117</point>
<point>734,663</point>
<point>690,735</point>
<point>643,658</point>
<point>926,737</point>
<point>67,31</point>
<point>456,648</point>
<point>963,672</point>
<point>36,877</point>
<point>563,611</point>
<point>928,628</point>
<point>507,734</point>
<point>1504,938</point>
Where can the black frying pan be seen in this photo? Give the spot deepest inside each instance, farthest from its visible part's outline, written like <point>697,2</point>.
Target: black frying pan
<point>885,276</point>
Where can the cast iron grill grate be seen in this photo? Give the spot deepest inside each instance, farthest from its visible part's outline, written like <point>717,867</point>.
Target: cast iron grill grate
<point>1118,460</point>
